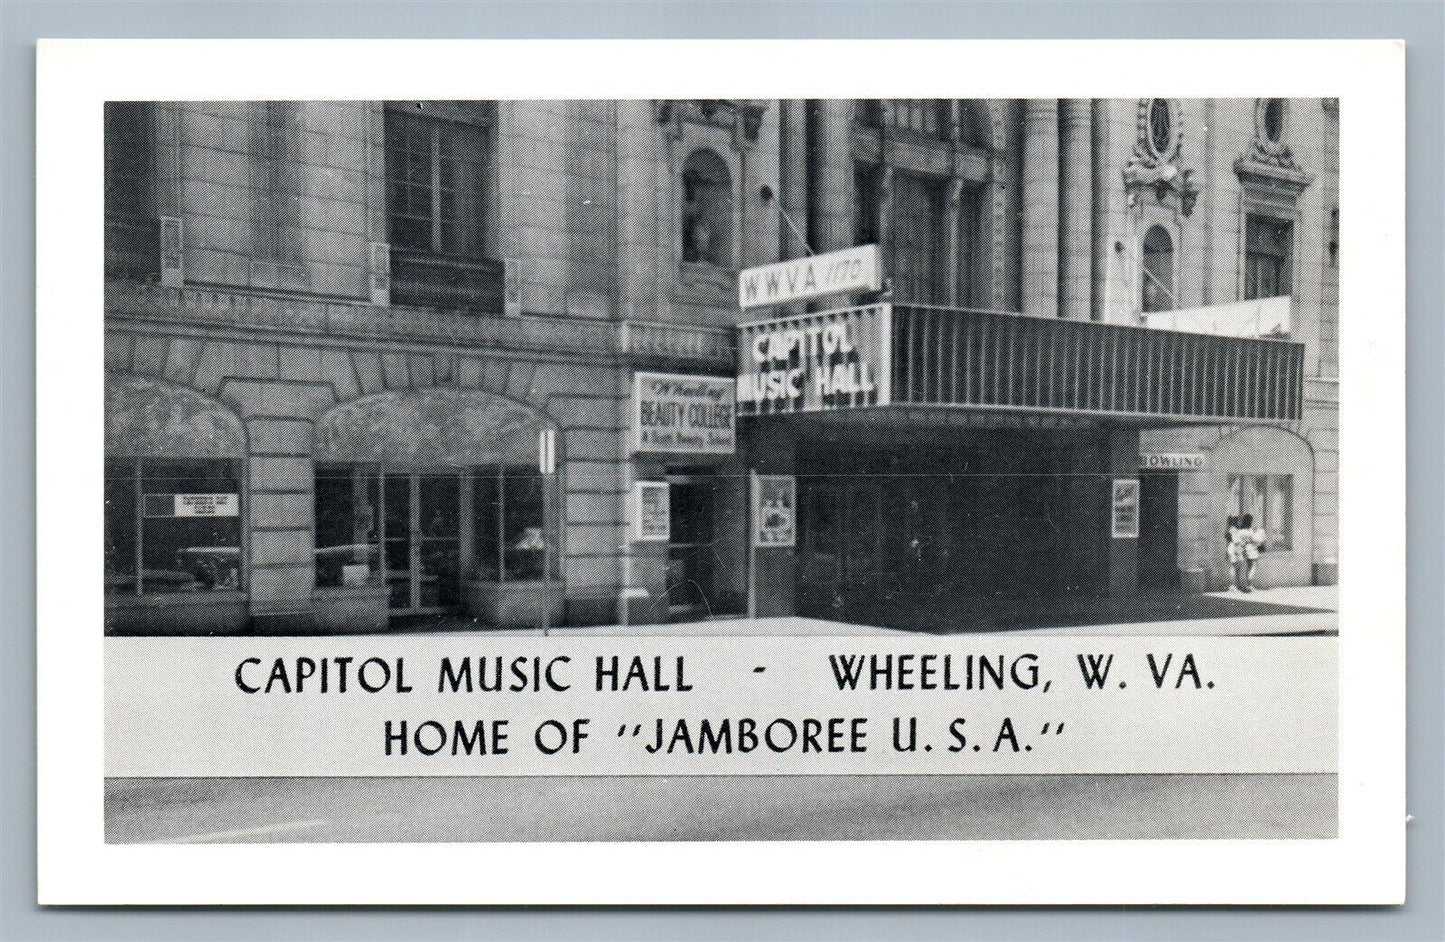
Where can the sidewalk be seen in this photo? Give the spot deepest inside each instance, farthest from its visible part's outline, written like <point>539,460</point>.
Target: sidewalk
<point>1300,610</point>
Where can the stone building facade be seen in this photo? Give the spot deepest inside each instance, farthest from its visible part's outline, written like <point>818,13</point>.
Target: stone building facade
<point>374,362</point>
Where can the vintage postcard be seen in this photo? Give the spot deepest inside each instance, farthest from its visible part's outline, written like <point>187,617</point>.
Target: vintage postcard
<point>491,472</point>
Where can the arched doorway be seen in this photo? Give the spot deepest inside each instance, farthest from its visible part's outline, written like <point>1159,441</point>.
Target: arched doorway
<point>436,495</point>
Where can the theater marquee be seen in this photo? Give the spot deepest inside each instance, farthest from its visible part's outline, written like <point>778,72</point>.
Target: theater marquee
<point>815,362</point>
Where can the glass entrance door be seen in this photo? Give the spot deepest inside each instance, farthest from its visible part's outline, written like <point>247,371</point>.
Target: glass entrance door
<point>690,552</point>
<point>421,516</point>
<point>843,527</point>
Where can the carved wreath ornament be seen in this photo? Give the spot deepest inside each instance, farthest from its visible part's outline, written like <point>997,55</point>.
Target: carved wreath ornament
<point>1268,146</point>
<point>1155,161</point>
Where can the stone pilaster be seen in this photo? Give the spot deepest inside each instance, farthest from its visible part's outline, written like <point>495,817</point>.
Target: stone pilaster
<point>637,256</point>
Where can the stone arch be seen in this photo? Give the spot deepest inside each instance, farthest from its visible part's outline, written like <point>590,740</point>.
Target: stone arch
<point>438,426</point>
<point>150,417</point>
<point>1266,450</point>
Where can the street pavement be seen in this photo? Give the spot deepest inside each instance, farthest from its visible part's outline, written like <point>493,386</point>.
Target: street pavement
<point>720,808</point>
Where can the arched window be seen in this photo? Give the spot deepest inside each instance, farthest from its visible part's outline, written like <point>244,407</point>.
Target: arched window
<point>1158,287</point>
<point>707,210</point>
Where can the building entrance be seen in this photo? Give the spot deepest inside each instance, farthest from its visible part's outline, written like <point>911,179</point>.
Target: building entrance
<point>691,551</point>
<point>421,531</point>
<point>1159,530</point>
<point>945,526</point>
<point>842,542</point>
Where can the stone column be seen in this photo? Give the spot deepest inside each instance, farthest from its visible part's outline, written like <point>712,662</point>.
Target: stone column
<point>793,163</point>
<point>1076,206</point>
<point>1040,295</point>
<point>832,210</point>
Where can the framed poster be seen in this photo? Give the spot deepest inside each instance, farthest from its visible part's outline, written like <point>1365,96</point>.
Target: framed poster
<point>652,519</point>
<point>775,508</point>
<point>1124,509</point>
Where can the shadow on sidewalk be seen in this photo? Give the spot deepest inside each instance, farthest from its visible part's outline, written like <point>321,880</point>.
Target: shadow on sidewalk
<point>942,614</point>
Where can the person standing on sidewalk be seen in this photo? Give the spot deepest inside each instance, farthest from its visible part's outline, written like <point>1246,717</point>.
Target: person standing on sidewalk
<point>1252,543</point>
<point>1234,553</point>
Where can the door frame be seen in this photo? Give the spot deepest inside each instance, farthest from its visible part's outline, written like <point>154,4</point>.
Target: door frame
<point>413,475</point>
<point>684,479</point>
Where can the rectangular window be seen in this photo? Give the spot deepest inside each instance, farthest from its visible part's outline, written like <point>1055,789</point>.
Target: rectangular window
<point>865,203</point>
<point>275,141</point>
<point>970,294</point>
<point>436,184</point>
<point>128,149</point>
<point>509,523</point>
<point>1268,247</point>
<point>926,117</point>
<point>172,526</point>
<point>132,229</point>
<point>347,547</point>
<point>916,239</point>
<point>1269,499</point>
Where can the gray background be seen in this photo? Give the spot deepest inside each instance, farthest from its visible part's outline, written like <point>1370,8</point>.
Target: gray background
<point>1421,23</point>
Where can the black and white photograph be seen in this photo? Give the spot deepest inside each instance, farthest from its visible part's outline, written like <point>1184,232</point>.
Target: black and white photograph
<point>539,469</point>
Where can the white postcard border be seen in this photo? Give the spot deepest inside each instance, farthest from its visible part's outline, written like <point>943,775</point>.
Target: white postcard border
<point>1364,865</point>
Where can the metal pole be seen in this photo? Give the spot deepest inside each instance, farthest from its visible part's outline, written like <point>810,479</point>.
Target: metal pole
<point>549,505</point>
<point>752,549</point>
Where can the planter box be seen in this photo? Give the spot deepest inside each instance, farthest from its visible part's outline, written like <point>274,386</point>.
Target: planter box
<point>350,610</point>
<point>177,613</point>
<point>514,604</point>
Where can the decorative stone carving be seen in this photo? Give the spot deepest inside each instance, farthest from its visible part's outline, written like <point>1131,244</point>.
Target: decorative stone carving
<point>1268,165</point>
<point>1155,162</point>
<point>146,417</point>
<point>743,118</point>
<point>439,426</point>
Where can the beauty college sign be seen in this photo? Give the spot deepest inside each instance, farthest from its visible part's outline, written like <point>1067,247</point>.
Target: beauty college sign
<point>815,362</point>
<point>677,414</point>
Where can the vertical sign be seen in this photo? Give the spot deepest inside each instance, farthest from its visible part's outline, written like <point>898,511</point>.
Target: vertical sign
<point>1125,509</point>
<point>775,505</point>
<point>652,512</point>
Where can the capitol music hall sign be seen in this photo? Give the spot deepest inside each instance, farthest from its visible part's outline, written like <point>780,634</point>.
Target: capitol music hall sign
<point>815,362</point>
